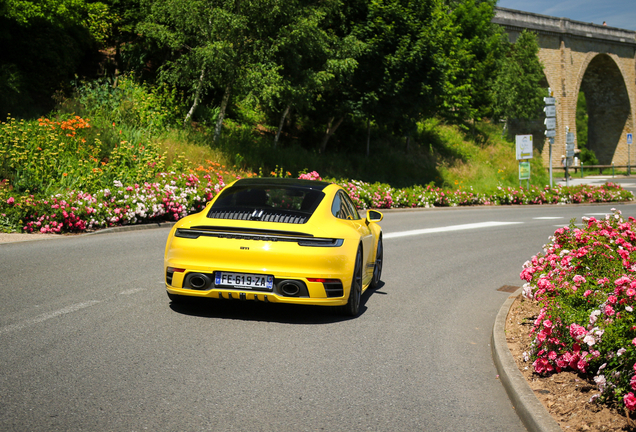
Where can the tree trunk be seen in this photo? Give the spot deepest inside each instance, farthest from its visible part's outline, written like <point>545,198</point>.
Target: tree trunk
<point>219,122</point>
<point>368,135</point>
<point>331,128</point>
<point>408,142</point>
<point>197,96</point>
<point>280,126</point>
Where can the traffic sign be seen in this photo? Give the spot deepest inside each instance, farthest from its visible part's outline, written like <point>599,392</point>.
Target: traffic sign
<point>569,138</point>
<point>550,111</point>
<point>550,133</point>
<point>550,123</point>
<point>549,100</point>
<point>629,139</point>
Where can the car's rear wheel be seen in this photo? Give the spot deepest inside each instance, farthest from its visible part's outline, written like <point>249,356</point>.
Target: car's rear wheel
<point>377,269</point>
<point>352,308</point>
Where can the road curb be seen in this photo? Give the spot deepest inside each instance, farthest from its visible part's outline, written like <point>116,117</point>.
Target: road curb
<point>112,230</point>
<point>530,410</point>
<point>136,227</point>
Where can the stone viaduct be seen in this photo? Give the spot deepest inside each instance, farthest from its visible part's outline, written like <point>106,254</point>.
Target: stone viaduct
<point>600,61</point>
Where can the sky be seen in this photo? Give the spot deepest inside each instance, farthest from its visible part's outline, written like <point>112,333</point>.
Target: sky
<point>617,13</point>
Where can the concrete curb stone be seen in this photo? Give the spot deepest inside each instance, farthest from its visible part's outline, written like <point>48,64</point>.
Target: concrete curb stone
<point>530,410</point>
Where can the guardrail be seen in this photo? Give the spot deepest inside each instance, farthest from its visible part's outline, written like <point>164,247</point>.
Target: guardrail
<point>599,167</point>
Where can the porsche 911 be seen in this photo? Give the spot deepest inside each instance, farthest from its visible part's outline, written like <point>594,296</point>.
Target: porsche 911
<point>276,240</point>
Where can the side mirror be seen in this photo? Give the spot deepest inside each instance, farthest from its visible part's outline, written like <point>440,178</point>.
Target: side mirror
<point>374,216</point>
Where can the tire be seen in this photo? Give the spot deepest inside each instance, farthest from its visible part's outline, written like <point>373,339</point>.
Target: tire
<point>377,269</point>
<point>352,308</point>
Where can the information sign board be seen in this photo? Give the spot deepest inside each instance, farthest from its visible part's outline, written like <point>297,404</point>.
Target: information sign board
<point>524,170</point>
<point>550,111</point>
<point>524,146</point>
<point>569,138</point>
<point>550,133</point>
<point>629,139</point>
<point>549,100</point>
<point>550,123</point>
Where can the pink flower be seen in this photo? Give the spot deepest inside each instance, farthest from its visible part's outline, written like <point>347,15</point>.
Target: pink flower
<point>578,279</point>
<point>587,293</point>
<point>612,299</point>
<point>577,332</point>
<point>622,281</point>
<point>609,310</point>
<point>11,200</point>
<point>630,401</point>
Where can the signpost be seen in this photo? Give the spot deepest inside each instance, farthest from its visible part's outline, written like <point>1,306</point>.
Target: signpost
<point>569,152</point>
<point>629,146</point>
<point>524,153</point>
<point>550,123</point>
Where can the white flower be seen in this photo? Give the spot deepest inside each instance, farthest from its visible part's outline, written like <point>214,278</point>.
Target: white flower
<point>620,352</point>
<point>601,382</point>
<point>589,340</point>
<point>629,309</point>
<point>594,316</point>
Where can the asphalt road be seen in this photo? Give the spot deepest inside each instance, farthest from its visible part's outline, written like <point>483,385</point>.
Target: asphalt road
<point>89,340</point>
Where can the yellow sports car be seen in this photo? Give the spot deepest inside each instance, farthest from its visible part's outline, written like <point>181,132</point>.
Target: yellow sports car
<point>276,240</point>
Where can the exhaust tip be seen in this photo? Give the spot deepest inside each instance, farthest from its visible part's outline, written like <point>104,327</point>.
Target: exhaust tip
<point>290,288</point>
<point>198,281</point>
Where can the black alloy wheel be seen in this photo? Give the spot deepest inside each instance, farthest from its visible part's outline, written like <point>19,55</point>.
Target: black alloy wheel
<point>352,308</point>
<point>377,269</point>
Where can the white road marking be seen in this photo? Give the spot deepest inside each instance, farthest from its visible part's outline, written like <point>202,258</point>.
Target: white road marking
<point>549,217</point>
<point>446,229</point>
<point>47,316</point>
<point>598,214</point>
<point>131,291</point>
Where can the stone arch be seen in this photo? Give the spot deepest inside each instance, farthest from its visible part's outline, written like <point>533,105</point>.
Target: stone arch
<point>602,80</point>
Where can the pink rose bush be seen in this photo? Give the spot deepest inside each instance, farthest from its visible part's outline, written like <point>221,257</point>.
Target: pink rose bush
<point>380,195</point>
<point>585,282</point>
<point>170,198</point>
<point>148,195</point>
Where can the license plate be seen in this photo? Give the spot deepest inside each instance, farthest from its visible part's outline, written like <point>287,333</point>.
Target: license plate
<point>244,280</point>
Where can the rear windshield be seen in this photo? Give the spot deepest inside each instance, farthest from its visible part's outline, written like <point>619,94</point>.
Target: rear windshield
<point>272,198</point>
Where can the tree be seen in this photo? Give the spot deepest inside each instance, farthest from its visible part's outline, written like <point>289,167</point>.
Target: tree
<point>517,88</point>
<point>477,47</point>
<point>214,44</point>
<point>44,45</point>
<point>404,65</point>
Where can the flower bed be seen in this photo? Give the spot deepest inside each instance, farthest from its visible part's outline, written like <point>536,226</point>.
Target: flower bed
<point>586,284</point>
<point>171,198</point>
<point>174,195</point>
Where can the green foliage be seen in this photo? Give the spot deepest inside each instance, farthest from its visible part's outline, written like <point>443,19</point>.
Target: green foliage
<point>518,91</point>
<point>148,108</point>
<point>478,47</point>
<point>45,157</point>
<point>587,155</point>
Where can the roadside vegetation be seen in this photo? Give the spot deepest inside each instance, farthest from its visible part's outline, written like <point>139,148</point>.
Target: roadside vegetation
<point>585,283</point>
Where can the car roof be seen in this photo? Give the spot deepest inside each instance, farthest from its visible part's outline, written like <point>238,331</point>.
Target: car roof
<point>282,182</point>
